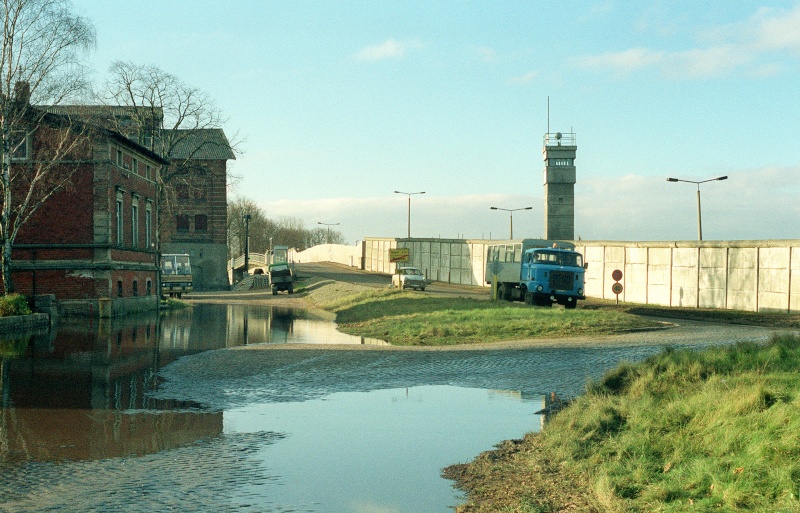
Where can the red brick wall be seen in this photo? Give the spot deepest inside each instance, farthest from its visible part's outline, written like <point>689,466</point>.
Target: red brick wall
<point>64,218</point>
<point>207,196</point>
<point>85,214</point>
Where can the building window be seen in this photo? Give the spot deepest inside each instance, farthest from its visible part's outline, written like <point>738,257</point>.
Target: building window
<point>148,225</point>
<point>135,166</point>
<point>561,162</point>
<point>148,172</point>
<point>119,288</point>
<point>149,292</point>
<point>135,287</point>
<point>135,223</point>
<point>19,146</point>
<point>201,223</point>
<point>182,223</point>
<point>120,158</point>
<point>120,232</point>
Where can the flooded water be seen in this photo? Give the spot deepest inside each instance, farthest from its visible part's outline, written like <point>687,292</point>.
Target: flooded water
<point>202,411</point>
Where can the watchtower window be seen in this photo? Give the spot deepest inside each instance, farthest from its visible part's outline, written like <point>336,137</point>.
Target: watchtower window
<point>561,162</point>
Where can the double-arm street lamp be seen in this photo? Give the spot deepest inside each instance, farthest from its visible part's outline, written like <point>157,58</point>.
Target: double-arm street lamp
<point>409,194</point>
<point>699,219</point>
<point>329,228</point>
<point>511,215</point>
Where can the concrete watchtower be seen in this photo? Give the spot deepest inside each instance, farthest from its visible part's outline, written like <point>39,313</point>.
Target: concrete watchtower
<point>559,186</point>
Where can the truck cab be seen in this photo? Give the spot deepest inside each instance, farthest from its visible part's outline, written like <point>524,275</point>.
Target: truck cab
<point>536,271</point>
<point>551,275</point>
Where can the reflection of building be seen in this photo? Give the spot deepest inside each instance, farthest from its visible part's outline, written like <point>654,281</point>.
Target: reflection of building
<point>64,397</point>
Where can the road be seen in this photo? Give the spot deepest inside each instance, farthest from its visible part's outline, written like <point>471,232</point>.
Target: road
<point>347,274</point>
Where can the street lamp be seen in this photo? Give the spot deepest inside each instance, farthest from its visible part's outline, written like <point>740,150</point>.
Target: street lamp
<point>247,218</point>
<point>511,214</point>
<point>329,228</point>
<point>409,194</point>
<point>699,219</point>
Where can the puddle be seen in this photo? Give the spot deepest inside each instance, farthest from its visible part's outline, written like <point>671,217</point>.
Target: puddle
<point>378,451</point>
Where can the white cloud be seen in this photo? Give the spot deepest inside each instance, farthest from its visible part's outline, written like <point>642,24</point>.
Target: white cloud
<point>747,47</point>
<point>389,49</point>
<point>525,79</point>
<point>623,62</point>
<point>751,204</point>
<point>486,54</point>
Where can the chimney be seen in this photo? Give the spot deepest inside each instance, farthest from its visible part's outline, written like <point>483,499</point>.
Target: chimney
<point>22,92</point>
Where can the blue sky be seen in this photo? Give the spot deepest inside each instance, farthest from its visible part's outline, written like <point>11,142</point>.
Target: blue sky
<point>348,101</point>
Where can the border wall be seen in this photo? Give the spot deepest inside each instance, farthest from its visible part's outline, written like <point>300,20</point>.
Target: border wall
<point>759,276</point>
<point>338,253</point>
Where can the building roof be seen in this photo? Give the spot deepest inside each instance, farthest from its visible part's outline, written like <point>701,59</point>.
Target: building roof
<point>54,114</point>
<point>194,144</point>
<point>202,144</point>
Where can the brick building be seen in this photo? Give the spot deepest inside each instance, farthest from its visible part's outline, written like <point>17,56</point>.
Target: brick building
<point>194,208</point>
<point>91,244</point>
<point>197,221</point>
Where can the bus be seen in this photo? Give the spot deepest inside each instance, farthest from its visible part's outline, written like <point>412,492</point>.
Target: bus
<point>176,275</point>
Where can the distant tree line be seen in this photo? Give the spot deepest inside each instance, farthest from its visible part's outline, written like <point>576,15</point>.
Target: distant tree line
<point>287,231</point>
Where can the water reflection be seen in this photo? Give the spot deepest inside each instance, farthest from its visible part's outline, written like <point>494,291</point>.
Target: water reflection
<point>82,390</point>
<point>213,326</point>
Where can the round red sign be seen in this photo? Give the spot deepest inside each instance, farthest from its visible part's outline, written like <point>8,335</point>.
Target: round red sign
<point>616,275</point>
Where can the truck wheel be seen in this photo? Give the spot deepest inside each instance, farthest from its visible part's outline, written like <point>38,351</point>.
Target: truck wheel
<point>529,297</point>
<point>569,305</point>
<point>502,292</point>
<point>291,289</point>
<point>274,291</point>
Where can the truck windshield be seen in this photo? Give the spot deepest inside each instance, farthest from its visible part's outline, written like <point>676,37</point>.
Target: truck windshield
<point>558,258</point>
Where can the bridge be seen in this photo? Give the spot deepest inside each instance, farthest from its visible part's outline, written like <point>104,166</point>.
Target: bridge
<point>257,264</point>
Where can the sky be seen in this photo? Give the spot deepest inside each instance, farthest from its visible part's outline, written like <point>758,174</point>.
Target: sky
<point>338,104</point>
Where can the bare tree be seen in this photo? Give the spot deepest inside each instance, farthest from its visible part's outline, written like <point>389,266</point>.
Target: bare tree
<point>259,228</point>
<point>164,115</point>
<point>40,61</point>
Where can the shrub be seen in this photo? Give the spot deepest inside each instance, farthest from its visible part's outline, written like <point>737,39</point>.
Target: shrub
<point>14,304</point>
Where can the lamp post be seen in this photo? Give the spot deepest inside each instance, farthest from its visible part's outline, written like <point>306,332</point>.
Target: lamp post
<point>409,194</point>
<point>511,215</point>
<point>329,228</point>
<point>247,218</point>
<point>699,218</point>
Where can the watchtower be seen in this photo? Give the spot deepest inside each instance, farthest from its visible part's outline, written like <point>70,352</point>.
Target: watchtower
<point>559,186</point>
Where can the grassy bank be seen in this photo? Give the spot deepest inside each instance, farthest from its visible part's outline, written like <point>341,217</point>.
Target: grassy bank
<point>717,430</point>
<point>407,318</point>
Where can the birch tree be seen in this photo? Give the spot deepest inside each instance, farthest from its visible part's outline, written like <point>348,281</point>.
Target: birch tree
<point>40,62</point>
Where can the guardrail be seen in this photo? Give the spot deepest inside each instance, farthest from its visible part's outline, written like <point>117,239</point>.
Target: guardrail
<point>559,139</point>
<point>255,258</point>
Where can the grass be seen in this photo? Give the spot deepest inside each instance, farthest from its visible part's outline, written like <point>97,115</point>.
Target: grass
<point>408,318</point>
<point>714,430</point>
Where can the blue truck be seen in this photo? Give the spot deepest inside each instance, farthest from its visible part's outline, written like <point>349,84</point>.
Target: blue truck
<point>536,271</point>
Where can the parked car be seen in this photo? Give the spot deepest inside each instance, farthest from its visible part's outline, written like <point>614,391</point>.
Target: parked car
<point>409,278</point>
